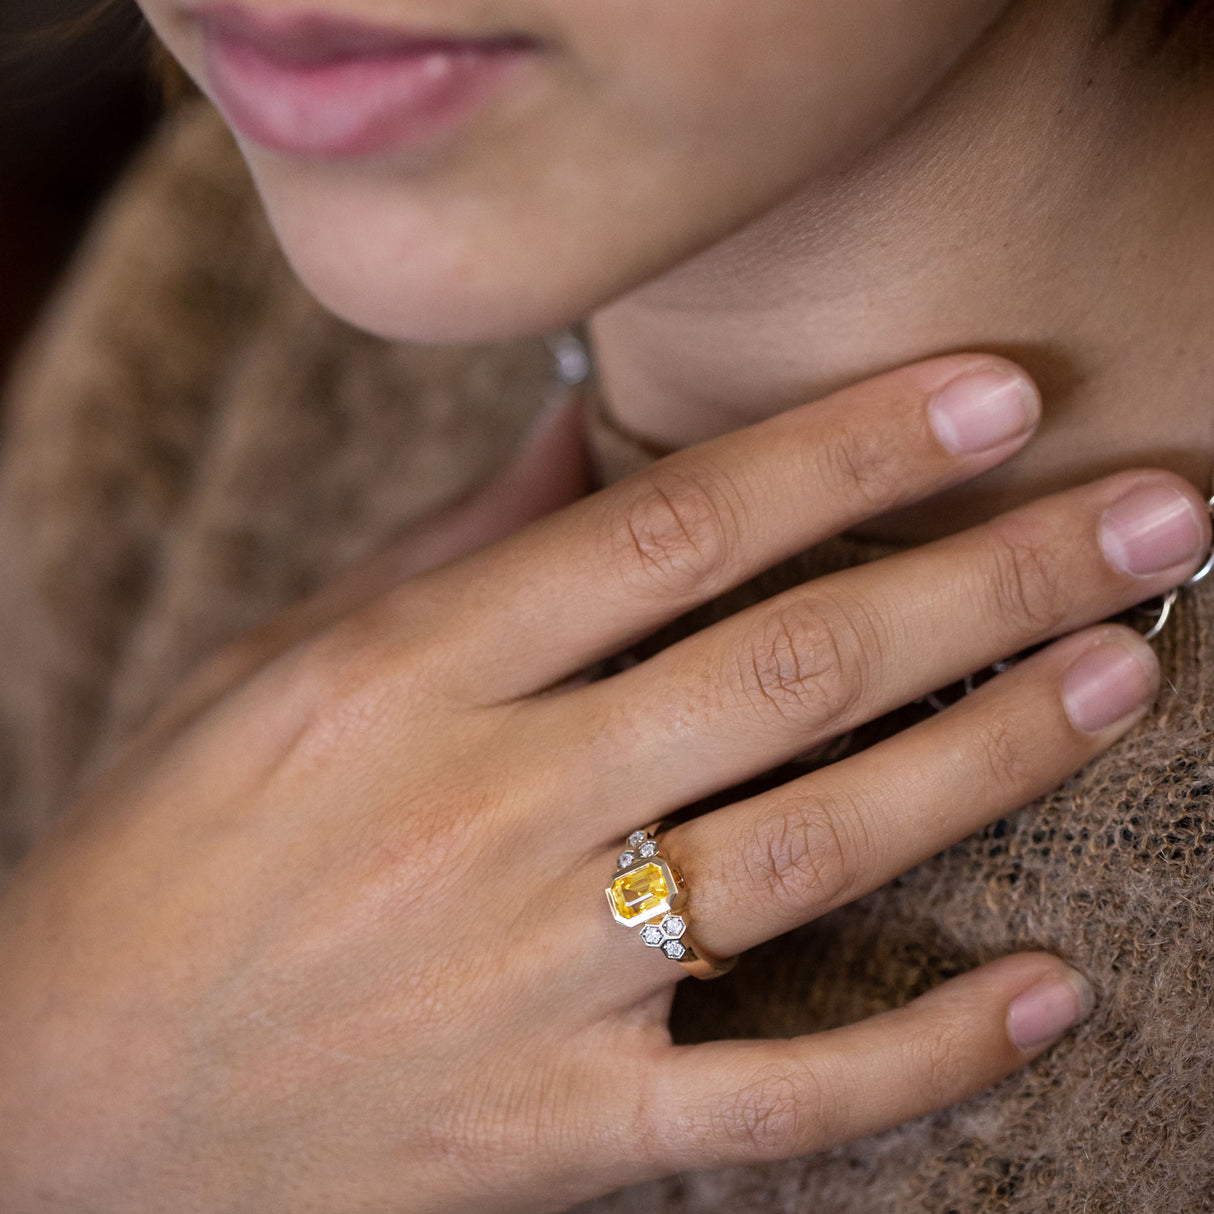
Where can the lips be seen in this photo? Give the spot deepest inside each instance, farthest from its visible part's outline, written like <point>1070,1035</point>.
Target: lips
<point>310,85</point>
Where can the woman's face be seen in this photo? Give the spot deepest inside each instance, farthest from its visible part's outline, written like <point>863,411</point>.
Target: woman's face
<point>537,184</point>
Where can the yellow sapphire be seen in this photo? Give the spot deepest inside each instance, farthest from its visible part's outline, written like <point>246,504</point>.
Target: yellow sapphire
<point>642,892</point>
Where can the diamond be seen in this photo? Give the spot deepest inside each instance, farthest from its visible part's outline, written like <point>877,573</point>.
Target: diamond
<point>649,848</point>
<point>642,893</point>
<point>626,859</point>
<point>636,838</point>
<point>674,949</point>
<point>673,927</point>
<point>652,935</point>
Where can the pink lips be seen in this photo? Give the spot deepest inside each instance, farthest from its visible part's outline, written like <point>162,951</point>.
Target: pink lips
<point>309,85</point>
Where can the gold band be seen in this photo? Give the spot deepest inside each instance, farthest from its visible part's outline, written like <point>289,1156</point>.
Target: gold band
<point>648,892</point>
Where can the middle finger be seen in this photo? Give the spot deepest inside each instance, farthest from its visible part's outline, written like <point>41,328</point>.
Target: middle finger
<point>757,688</point>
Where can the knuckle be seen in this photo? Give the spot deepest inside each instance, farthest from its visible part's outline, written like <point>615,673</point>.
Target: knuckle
<point>350,683</point>
<point>1028,599</point>
<point>938,1062</point>
<point>778,1114</point>
<point>860,463</point>
<point>800,859</point>
<point>677,533</point>
<point>1008,763</point>
<point>336,667</point>
<point>808,661</point>
<point>494,1132</point>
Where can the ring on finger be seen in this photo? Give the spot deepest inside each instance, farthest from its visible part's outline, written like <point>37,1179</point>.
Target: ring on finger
<point>648,892</point>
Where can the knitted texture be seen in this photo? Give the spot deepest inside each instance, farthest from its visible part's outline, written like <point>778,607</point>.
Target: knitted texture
<point>191,444</point>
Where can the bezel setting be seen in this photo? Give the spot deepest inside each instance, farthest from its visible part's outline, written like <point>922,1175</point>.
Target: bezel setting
<point>645,891</point>
<point>659,906</point>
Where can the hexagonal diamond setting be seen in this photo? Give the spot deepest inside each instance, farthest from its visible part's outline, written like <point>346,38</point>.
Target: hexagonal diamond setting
<point>673,927</point>
<point>626,858</point>
<point>652,935</point>
<point>649,848</point>
<point>636,838</point>
<point>674,949</point>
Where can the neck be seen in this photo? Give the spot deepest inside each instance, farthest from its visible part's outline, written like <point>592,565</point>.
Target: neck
<point>1048,204</point>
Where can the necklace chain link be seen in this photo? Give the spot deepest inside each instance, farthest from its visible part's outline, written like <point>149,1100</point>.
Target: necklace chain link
<point>1168,601</point>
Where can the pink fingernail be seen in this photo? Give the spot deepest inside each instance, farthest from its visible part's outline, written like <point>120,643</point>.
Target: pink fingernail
<point>1152,529</point>
<point>984,410</point>
<point>1044,1012</point>
<point>1109,683</point>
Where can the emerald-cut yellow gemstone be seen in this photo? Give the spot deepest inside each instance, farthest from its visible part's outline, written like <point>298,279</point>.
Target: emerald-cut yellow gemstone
<point>641,893</point>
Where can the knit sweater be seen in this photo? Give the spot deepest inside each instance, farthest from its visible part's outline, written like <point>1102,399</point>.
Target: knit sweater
<point>191,443</point>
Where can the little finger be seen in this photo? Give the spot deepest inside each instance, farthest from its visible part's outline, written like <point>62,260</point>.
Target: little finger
<point>729,1103</point>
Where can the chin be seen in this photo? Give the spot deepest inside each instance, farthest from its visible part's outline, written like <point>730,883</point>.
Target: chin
<point>463,258</point>
<point>431,285</point>
<point>412,305</point>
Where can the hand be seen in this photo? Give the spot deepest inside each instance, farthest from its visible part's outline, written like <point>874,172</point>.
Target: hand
<point>331,934</point>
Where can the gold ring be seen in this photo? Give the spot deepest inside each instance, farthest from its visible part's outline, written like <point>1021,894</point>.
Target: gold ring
<point>648,892</point>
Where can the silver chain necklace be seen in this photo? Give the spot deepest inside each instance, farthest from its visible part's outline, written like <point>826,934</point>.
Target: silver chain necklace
<point>1168,601</point>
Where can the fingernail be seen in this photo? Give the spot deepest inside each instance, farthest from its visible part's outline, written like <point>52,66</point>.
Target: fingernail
<point>983,410</point>
<point>1150,530</point>
<point>1108,683</point>
<point>1045,1011</point>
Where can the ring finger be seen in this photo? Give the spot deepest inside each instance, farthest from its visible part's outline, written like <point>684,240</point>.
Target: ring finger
<point>760,867</point>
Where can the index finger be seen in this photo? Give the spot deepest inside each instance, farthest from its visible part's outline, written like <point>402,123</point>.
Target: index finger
<point>585,583</point>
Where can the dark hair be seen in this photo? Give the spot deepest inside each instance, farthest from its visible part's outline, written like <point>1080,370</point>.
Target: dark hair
<point>66,29</point>
<point>49,37</point>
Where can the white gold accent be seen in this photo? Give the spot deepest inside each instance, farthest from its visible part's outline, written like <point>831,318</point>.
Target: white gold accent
<point>674,949</point>
<point>673,927</point>
<point>652,935</point>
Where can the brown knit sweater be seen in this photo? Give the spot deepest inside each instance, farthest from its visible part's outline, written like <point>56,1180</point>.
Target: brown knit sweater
<point>191,443</point>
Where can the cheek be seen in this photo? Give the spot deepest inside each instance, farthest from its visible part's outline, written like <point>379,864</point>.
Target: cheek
<point>819,76</point>
<point>658,130</point>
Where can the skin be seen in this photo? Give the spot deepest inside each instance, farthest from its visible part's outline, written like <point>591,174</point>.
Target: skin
<point>919,196</point>
<point>631,144</point>
<point>267,962</point>
<point>1050,201</point>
